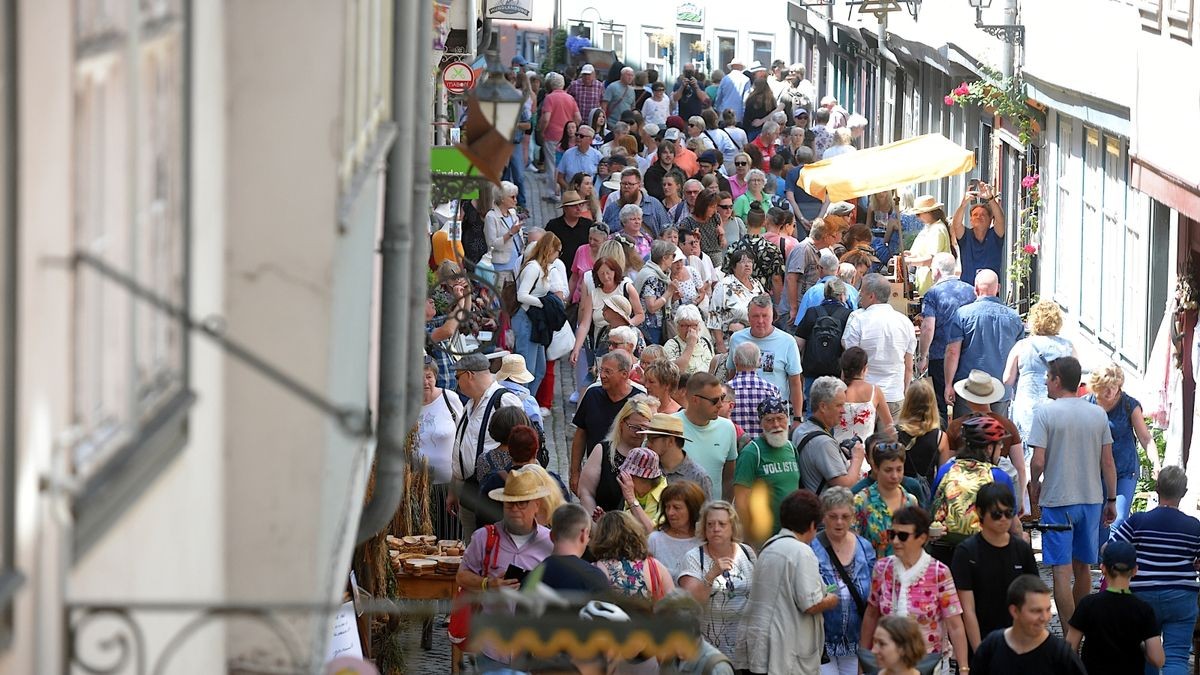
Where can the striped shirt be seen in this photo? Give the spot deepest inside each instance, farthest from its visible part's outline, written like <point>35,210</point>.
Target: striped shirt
<point>1168,544</point>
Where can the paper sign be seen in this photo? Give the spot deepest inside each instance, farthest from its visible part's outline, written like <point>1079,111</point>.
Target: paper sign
<point>345,640</point>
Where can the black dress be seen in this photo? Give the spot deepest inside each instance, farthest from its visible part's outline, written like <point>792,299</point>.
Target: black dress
<point>473,242</point>
<point>608,490</point>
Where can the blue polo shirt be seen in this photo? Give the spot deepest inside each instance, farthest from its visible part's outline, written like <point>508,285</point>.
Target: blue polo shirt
<point>978,255</point>
<point>816,295</point>
<point>940,303</point>
<point>988,329</point>
<point>573,161</point>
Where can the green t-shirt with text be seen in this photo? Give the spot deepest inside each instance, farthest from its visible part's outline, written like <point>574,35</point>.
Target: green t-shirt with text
<point>774,466</point>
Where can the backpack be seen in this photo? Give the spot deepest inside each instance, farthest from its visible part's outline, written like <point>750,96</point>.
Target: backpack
<point>824,347</point>
<point>954,501</point>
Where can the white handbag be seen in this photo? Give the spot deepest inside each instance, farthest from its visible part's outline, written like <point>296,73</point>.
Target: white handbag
<point>561,344</point>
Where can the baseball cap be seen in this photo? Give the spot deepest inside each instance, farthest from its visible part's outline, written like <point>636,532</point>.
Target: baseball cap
<point>800,111</point>
<point>1119,556</point>
<point>671,134</point>
<point>707,157</point>
<point>587,68</point>
<point>472,363</point>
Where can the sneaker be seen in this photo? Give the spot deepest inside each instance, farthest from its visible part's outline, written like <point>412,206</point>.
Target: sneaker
<point>531,169</point>
<point>545,413</point>
<point>574,397</point>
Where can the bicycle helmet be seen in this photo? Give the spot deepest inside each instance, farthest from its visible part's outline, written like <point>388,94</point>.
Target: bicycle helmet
<point>981,430</point>
<point>602,610</point>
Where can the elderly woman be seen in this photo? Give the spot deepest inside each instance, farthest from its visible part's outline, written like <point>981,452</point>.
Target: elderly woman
<point>756,184</point>
<point>620,551</point>
<point>703,219</point>
<point>1030,358</point>
<point>1167,541</point>
<point>599,486</point>
<point>875,504</point>
<point>741,171</point>
<point>732,294</point>
<point>679,512</point>
<point>502,231</point>
<point>440,411</point>
<point>718,573</point>
<point>846,560</point>
<point>652,282</point>
<point>911,583</point>
<point>691,349</point>
<point>684,285</point>
<point>663,167</point>
<point>631,227</point>
<point>933,238</point>
<point>779,630</point>
<point>1128,427</point>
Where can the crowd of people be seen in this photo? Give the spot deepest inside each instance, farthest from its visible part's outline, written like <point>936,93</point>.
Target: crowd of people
<point>762,441</point>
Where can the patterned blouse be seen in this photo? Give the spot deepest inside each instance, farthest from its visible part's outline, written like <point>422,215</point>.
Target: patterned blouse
<point>689,289</point>
<point>730,301</point>
<point>654,288</point>
<point>873,518</point>
<point>931,599</point>
<point>633,578</point>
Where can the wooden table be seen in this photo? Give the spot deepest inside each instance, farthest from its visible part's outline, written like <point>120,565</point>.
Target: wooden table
<point>430,587</point>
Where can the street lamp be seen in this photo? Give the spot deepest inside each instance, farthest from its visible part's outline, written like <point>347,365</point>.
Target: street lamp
<point>492,113</point>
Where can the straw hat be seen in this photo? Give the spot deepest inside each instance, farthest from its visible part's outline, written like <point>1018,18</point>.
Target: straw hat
<point>512,367</point>
<point>571,197</point>
<point>521,486</point>
<point>663,424</point>
<point>979,387</point>
<point>621,305</point>
<point>925,204</point>
<point>642,463</point>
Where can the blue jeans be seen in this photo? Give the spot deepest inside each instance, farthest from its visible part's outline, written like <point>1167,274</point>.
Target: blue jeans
<point>515,173</point>
<point>535,354</point>
<point>808,383</point>
<point>1125,488</point>
<point>1176,612</point>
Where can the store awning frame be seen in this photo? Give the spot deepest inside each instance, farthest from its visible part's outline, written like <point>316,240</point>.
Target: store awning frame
<point>886,167</point>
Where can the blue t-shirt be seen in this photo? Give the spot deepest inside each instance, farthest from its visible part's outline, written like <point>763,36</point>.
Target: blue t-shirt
<point>573,161</point>
<point>988,329</point>
<point>809,206</point>
<point>980,255</point>
<point>1124,443</point>
<point>816,295</point>
<point>780,357</point>
<point>940,303</point>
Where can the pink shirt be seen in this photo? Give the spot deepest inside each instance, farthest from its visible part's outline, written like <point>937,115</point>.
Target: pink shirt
<point>582,264</point>
<point>558,108</point>
<point>931,599</point>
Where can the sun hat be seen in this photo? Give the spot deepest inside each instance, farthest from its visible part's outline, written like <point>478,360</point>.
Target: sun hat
<point>678,257</point>
<point>642,463</point>
<point>979,387</point>
<point>662,424</point>
<point>521,486</point>
<point>571,197</point>
<point>925,204</point>
<point>512,367</point>
<point>472,363</point>
<point>613,182</point>
<point>736,61</point>
<point>651,129</point>
<point>621,305</point>
<point>756,67</point>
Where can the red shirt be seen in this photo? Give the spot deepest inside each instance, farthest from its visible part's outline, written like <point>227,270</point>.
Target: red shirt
<point>767,152</point>
<point>558,108</point>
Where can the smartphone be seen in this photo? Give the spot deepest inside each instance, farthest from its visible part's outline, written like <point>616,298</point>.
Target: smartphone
<point>515,573</point>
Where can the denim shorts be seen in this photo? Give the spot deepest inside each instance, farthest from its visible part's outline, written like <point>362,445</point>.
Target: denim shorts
<point>1080,543</point>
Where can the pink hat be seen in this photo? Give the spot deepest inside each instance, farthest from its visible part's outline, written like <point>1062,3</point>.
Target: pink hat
<point>642,463</point>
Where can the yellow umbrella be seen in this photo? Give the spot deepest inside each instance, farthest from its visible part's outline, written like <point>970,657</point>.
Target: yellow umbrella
<point>887,167</point>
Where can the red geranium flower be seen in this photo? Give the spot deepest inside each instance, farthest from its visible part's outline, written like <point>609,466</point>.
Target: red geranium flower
<point>1031,249</point>
<point>949,100</point>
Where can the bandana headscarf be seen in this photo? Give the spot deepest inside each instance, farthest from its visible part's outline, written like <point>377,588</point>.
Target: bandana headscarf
<point>770,406</point>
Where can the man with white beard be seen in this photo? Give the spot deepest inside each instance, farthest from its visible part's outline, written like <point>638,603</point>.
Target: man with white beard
<point>769,458</point>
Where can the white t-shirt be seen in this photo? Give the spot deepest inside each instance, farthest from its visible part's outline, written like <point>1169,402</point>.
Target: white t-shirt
<point>436,434</point>
<point>886,336</point>
<point>657,111</point>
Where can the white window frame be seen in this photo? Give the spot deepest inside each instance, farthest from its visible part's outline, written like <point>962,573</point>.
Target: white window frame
<point>762,37</point>
<point>719,35</point>
<point>654,56</point>
<point>617,30</point>
<point>683,46</point>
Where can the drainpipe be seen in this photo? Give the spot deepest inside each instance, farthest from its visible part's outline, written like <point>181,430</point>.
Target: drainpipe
<point>403,248</point>
<point>1008,55</point>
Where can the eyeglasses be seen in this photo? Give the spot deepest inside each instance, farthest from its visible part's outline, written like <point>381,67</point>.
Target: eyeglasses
<point>725,206</point>
<point>715,400</point>
<point>636,427</point>
<point>900,535</point>
<point>997,514</point>
<point>741,163</point>
<point>582,136</point>
<point>692,192</point>
<point>626,183</point>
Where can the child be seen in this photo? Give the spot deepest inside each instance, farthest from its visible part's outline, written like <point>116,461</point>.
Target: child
<point>1121,631</point>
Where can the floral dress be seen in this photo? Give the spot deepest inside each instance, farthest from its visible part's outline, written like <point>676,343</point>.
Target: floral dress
<point>730,302</point>
<point>873,518</point>
<point>858,420</point>
<point>931,599</point>
<point>689,289</point>
<point>633,578</point>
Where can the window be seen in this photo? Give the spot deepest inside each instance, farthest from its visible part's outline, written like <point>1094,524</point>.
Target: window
<point>129,360</point>
<point>1066,221</point>
<point>1114,282</point>
<point>1179,19</point>
<point>581,29</point>
<point>613,37</point>
<point>534,46</point>
<point>1151,12</point>
<point>726,50</point>
<point>764,50</point>
<point>687,50</point>
<point>1093,224</point>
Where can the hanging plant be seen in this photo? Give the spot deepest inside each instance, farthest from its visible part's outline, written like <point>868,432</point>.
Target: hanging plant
<point>577,43</point>
<point>1005,96</point>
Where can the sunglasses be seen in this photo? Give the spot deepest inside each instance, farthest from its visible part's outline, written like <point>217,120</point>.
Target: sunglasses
<point>725,206</point>
<point>741,163</point>
<point>582,136</point>
<point>715,400</point>
<point>900,535</point>
<point>997,514</point>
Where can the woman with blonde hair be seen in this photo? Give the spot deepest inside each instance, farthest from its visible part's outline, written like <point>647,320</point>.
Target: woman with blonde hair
<point>1030,358</point>
<point>533,284</point>
<point>1128,426</point>
<point>919,431</point>
<point>599,485</point>
<point>741,172</point>
<point>719,572</point>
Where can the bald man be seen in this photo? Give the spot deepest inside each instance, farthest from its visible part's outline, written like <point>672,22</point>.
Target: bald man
<point>619,97</point>
<point>980,337</point>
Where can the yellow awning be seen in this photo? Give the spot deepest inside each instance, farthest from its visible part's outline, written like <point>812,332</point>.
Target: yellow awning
<point>887,167</point>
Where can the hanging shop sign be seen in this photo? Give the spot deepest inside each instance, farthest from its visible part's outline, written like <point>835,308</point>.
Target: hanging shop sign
<point>509,10</point>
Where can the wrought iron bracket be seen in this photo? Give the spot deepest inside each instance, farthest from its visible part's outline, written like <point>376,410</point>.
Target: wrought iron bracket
<point>879,8</point>
<point>1011,34</point>
<point>448,186</point>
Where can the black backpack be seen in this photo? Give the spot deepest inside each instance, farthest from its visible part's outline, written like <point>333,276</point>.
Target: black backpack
<point>824,348</point>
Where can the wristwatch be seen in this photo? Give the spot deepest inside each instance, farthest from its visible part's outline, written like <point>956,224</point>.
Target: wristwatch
<point>1111,499</point>
<point>797,419</point>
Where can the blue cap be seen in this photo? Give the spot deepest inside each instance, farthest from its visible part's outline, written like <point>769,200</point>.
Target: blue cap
<point>1119,556</point>
<point>519,60</point>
